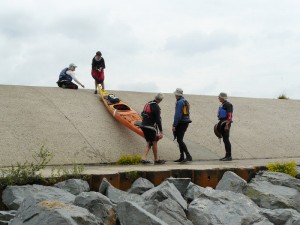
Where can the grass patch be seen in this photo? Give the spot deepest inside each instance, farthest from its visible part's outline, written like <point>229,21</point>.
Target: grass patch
<point>129,160</point>
<point>284,167</point>
<point>283,96</point>
<point>29,172</point>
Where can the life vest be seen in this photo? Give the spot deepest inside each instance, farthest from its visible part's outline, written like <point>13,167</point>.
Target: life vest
<point>64,76</point>
<point>222,113</point>
<point>147,113</point>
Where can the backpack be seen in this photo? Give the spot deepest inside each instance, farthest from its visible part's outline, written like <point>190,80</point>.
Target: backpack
<point>186,108</point>
<point>113,99</point>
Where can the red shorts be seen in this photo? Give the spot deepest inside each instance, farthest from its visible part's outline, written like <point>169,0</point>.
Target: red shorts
<point>98,76</point>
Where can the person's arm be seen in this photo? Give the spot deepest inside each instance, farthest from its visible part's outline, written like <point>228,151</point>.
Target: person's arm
<point>156,112</point>
<point>103,64</point>
<point>229,110</point>
<point>178,113</point>
<point>72,74</point>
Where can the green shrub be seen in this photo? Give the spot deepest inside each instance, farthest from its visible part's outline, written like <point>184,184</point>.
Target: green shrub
<point>129,160</point>
<point>283,96</point>
<point>29,172</point>
<point>132,175</point>
<point>284,167</point>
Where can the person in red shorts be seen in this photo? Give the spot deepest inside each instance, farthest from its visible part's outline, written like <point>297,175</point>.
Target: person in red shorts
<point>98,66</point>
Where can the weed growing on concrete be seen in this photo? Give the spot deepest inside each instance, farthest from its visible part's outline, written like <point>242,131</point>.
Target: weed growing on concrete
<point>132,175</point>
<point>129,160</point>
<point>283,96</point>
<point>26,173</point>
<point>284,167</point>
<point>29,172</point>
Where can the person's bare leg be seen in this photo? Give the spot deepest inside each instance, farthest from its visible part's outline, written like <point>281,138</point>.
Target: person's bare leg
<point>154,148</point>
<point>144,157</point>
<point>95,85</point>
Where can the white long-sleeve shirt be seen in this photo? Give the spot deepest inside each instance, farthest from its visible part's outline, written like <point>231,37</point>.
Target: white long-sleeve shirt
<point>72,74</point>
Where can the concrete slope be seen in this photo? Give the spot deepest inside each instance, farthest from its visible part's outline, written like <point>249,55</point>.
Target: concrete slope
<point>77,128</point>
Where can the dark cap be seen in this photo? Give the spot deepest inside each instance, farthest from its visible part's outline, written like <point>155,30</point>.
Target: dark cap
<point>99,53</point>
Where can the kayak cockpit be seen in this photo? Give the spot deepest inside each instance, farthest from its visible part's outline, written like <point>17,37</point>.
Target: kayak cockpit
<point>121,107</point>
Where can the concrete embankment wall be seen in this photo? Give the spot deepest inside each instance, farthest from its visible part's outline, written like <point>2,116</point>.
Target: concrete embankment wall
<point>77,128</point>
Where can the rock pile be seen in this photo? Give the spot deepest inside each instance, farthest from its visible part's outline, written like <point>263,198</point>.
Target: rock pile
<point>269,198</point>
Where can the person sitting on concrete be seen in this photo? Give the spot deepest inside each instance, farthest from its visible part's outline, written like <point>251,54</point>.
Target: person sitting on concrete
<point>66,76</point>
<point>150,125</point>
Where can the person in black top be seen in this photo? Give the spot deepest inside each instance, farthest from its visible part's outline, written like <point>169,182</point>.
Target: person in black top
<point>151,124</point>
<point>98,66</point>
<point>225,120</point>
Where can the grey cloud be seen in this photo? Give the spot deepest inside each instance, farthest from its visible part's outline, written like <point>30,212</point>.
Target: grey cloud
<point>194,43</point>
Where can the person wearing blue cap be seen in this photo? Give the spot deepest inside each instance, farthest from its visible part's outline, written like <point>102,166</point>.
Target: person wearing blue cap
<point>66,76</point>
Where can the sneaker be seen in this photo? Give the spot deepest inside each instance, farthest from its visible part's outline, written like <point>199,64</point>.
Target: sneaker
<point>95,92</point>
<point>229,158</point>
<point>159,162</point>
<point>189,158</point>
<point>223,158</point>
<point>145,162</point>
<point>179,160</point>
<point>63,86</point>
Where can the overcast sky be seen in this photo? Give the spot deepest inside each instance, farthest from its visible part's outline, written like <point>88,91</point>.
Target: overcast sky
<point>245,48</point>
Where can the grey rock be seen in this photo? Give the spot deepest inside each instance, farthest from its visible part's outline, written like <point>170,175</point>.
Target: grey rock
<point>180,183</point>
<point>140,185</point>
<point>164,191</point>
<point>74,186</point>
<point>231,182</point>
<point>116,195</point>
<point>276,178</point>
<point>13,196</point>
<point>130,213</point>
<point>270,196</point>
<point>298,172</point>
<point>96,203</point>
<point>193,191</point>
<point>48,212</point>
<point>7,215</point>
<point>168,211</point>
<point>226,208</point>
<point>282,216</point>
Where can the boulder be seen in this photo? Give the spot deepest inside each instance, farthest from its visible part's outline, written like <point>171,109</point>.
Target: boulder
<point>298,172</point>
<point>130,213</point>
<point>180,183</point>
<point>226,208</point>
<point>231,182</point>
<point>193,191</point>
<point>140,185</point>
<point>164,191</point>
<point>282,216</point>
<point>276,178</point>
<point>13,196</point>
<point>97,204</point>
<point>270,196</point>
<point>6,216</point>
<point>116,195</point>
<point>49,212</point>
<point>167,210</point>
<point>74,186</point>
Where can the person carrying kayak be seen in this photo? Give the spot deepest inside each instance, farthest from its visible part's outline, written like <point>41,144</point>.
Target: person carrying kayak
<point>66,76</point>
<point>98,66</point>
<point>151,124</point>
<point>181,123</point>
<point>225,119</point>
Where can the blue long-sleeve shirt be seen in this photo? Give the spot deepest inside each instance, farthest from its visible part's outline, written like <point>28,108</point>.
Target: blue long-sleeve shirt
<point>179,117</point>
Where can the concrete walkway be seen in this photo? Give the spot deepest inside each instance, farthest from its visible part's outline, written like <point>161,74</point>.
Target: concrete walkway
<point>77,128</point>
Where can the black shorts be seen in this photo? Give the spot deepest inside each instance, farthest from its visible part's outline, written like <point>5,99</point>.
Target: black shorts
<point>149,134</point>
